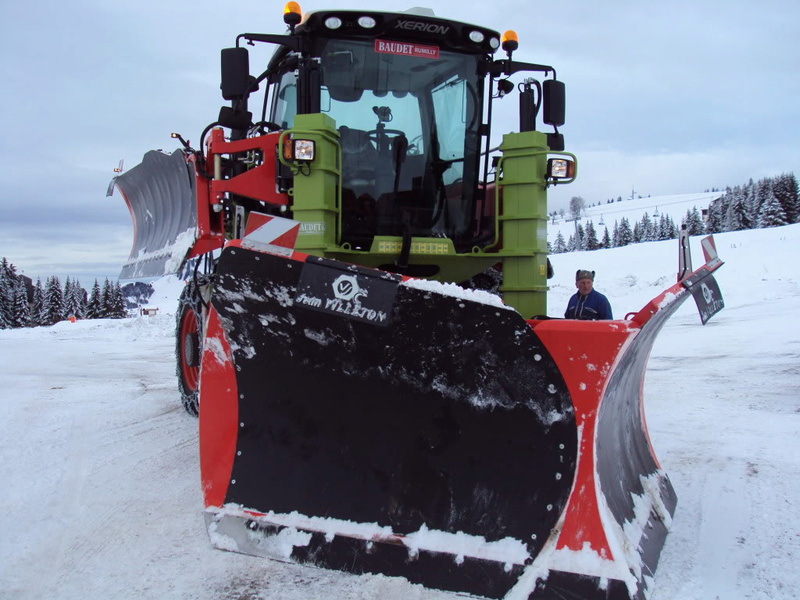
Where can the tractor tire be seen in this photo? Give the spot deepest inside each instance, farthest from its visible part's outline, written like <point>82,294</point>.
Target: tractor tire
<point>189,344</point>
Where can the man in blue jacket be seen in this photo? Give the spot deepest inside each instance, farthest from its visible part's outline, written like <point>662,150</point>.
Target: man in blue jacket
<point>587,303</point>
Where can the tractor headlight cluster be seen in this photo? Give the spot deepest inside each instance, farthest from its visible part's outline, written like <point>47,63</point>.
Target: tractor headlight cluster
<point>560,168</point>
<point>299,150</point>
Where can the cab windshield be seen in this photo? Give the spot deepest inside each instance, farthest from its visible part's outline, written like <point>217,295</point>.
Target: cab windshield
<point>408,116</point>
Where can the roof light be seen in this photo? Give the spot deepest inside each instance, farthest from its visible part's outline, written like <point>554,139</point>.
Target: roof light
<point>494,43</point>
<point>367,22</point>
<point>476,36</point>
<point>333,22</point>
<point>510,41</point>
<point>292,14</point>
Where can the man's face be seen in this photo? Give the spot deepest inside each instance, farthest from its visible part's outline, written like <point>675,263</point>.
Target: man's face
<point>584,286</point>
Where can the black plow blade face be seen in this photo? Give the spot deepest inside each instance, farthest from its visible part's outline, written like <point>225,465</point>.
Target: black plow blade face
<point>373,425</point>
<point>356,421</point>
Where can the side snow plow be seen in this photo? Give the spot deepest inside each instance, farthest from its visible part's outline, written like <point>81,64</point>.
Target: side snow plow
<point>359,332</point>
<point>422,431</point>
<point>160,196</point>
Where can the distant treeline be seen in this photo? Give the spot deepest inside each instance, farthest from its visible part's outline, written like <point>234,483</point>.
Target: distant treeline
<point>24,304</point>
<point>772,202</point>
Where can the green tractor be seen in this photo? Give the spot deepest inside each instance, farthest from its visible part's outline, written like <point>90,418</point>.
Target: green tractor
<point>363,330</point>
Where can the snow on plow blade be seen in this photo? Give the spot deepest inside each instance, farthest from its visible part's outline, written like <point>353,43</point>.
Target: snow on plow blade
<point>160,195</point>
<point>355,421</point>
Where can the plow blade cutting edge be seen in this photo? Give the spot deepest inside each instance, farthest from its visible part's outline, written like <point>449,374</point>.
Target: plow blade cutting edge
<point>160,196</point>
<point>358,421</point>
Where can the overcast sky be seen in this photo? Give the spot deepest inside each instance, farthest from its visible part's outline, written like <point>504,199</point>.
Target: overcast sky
<point>666,98</point>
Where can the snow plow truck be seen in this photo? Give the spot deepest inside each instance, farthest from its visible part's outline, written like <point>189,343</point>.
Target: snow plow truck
<point>363,330</point>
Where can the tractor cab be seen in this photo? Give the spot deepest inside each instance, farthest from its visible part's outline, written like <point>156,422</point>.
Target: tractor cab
<point>408,118</point>
<point>410,95</point>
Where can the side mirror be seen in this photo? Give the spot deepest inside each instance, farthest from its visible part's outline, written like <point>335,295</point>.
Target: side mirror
<point>235,118</point>
<point>236,79</point>
<point>554,102</point>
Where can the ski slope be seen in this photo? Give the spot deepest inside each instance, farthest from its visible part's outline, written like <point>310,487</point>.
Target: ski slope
<point>100,463</point>
<point>604,215</point>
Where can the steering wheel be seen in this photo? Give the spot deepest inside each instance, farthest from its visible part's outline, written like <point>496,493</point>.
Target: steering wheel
<point>374,134</point>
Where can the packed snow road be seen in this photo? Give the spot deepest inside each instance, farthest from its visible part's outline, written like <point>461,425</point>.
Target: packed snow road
<point>101,470</point>
<point>99,463</point>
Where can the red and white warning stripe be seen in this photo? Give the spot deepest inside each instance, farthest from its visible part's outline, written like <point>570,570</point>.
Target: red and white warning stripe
<point>710,250</point>
<point>268,232</point>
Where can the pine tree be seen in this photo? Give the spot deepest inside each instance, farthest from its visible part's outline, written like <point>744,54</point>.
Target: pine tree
<point>716,216</point>
<point>94,306</point>
<point>637,233</point>
<point>606,241</point>
<point>736,217</point>
<point>615,235</point>
<point>625,232</point>
<point>693,221</point>
<point>591,237</point>
<point>66,295</point>
<point>763,194</point>
<point>38,304</point>
<point>106,300</point>
<point>750,202</point>
<point>785,190</point>
<point>73,300</point>
<point>672,229</point>
<point>7,283</point>
<point>53,302</point>
<point>21,310</point>
<point>772,214</point>
<point>81,300</point>
<point>117,303</point>
<point>560,245</point>
<point>646,228</point>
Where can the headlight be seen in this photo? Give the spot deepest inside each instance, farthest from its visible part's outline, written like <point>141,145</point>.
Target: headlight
<point>304,150</point>
<point>560,168</point>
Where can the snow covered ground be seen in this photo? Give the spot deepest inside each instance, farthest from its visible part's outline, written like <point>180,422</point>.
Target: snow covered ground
<point>100,469</point>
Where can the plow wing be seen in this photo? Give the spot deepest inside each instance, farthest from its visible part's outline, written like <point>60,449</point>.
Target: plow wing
<point>355,420</point>
<point>160,196</point>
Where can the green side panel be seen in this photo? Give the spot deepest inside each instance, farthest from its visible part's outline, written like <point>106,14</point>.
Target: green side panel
<point>523,221</point>
<point>316,192</point>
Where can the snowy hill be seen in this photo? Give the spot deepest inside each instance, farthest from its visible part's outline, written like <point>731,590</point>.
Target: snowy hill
<point>604,215</point>
<point>100,463</point>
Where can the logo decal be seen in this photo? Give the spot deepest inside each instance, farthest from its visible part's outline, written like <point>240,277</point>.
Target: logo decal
<point>422,26</point>
<point>346,288</point>
<point>349,292</point>
<point>406,49</point>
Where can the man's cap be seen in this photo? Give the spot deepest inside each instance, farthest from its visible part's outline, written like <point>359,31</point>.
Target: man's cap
<point>581,274</point>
